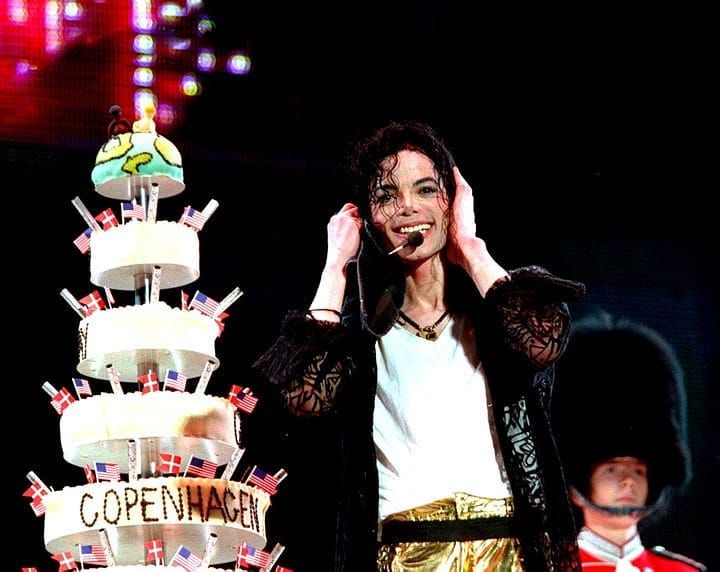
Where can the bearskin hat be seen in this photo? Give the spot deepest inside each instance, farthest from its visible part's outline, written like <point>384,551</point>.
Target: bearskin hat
<point>619,392</point>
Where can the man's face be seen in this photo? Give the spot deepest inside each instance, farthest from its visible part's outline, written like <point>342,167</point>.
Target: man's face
<point>619,482</point>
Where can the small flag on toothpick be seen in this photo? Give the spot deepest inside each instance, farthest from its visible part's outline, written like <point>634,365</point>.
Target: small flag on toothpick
<point>203,304</point>
<point>66,560</point>
<point>92,554</point>
<point>193,219</point>
<point>82,242</point>
<point>132,210</point>
<point>31,569</point>
<point>59,399</point>
<point>149,382</point>
<point>92,302</point>
<point>82,387</point>
<point>201,467</point>
<point>184,300</point>
<point>174,380</point>
<point>107,219</point>
<point>186,559</point>
<point>250,556</point>
<point>170,463</point>
<point>263,480</point>
<point>107,472</point>
<point>154,552</point>
<point>242,398</point>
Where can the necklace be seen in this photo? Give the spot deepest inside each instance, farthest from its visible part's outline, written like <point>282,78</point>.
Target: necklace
<point>427,332</point>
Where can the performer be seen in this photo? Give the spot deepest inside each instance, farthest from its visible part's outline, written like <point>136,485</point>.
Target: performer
<point>618,412</point>
<point>436,362</point>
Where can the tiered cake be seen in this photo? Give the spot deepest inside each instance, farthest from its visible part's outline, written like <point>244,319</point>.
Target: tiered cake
<point>136,431</point>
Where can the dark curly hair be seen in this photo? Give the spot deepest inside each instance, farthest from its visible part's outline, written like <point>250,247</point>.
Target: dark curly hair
<point>365,163</point>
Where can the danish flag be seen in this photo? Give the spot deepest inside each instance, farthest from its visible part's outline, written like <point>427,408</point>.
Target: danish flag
<point>66,560</point>
<point>155,553</point>
<point>61,400</point>
<point>107,219</point>
<point>92,302</point>
<point>149,382</point>
<point>170,463</point>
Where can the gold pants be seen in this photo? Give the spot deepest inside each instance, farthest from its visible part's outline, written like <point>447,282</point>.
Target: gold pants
<point>496,554</point>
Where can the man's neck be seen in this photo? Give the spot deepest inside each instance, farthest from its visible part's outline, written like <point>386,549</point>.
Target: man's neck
<point>618,535</point>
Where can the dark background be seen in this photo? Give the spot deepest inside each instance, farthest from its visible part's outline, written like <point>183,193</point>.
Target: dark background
<point>583,135</point>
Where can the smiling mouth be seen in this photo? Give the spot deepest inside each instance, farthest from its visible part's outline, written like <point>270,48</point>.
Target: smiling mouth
<point>423,228</point>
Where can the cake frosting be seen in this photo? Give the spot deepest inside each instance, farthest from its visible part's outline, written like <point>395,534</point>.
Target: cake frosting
<point>130,159</point>
<point>187,510</point>
<point>171,338</point>
<point>120,253</point>
<point>97,428</point>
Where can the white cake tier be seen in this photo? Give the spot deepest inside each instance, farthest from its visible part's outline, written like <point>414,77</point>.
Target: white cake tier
<point>178,510</point>
<point>127,166</point>
<point>98,428</point>
<point>169,338</point>
<point>120,253</point>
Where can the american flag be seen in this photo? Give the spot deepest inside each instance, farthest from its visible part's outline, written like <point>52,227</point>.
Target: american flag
<point>107,471</point>
<point>107,219</point>
<point>249,556</point>
<point>132,211</point>
<point>89,475</point>
<point>66,560</point>
<point>242,398</point>
<point>83,241</point>
<point>186,559</point>
<point>92,554</point>
<point>203,303</point>
<point>193,218</point>
<point>201,467</point>
<point>38,506</point>
<point>262,480</point>
<point>36,490</point>
<point>170,463</point>
<point>175,380</point>
<point>149,382</point>
<point>82,386</point>
<point>154,549</point>
<point>92,302</point>
<point>61,400</point>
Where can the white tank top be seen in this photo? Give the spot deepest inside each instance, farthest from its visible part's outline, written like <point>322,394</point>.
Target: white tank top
<point>431,425</point>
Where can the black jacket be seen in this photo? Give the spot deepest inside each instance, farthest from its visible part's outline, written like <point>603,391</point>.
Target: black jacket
<point>521,328</point>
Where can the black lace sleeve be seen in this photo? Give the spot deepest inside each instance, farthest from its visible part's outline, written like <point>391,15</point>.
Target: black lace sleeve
<point>308,361</point>
<point>533,313</point>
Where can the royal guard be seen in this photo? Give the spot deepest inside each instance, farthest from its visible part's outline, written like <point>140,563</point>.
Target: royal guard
<point>618,414</point>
